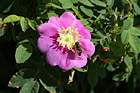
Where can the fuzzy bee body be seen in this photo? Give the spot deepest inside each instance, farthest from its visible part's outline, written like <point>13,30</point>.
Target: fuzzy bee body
<point>78,48</point>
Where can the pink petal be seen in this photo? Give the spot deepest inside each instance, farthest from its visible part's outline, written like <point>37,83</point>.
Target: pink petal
<point>85,34</point>
<point>67,19</point>
<point>48,29</point>
<point>78,61</point>
<point>56,56</point>
<point>88,47</point>
<point>56,21</point>
<point>44,43</point>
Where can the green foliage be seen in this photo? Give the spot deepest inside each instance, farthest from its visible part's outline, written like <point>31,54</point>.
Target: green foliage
<point>11,18</point>
<point>87,11</point>
<point>23,53</point>
<point>115,31</point>
<point>98,2</point>
<point>24,24</point>
<point>30,87</point>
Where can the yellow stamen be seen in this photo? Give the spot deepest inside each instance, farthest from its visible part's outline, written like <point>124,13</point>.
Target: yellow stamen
<point>68,37</point>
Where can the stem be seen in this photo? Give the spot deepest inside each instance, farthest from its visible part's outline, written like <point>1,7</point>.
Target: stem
<point>38,70</point>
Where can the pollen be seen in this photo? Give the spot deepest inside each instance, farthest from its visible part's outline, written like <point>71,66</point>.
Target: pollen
<point>68,37</point>
<point>51,92</point>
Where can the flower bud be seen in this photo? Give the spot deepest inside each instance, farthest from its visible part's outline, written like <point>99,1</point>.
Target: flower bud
<point>127,7</point>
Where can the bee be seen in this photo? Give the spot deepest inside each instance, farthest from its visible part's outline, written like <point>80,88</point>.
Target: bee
<point>78,48</point>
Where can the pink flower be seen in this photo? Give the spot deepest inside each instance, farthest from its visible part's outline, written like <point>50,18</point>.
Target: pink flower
<point>58,37</point>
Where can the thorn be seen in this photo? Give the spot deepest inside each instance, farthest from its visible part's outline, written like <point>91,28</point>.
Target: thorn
<point>51,76</point>
<point>10,82</point>
<point>17,87</point>
<point>4,25</point>
<point>45,87</point>
<point>16,73</point>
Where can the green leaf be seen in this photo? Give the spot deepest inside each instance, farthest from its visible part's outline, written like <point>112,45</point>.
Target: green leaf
<point>24,24</point>
<point>110,3</point>
<point>92,75</point>
<point>128,23</point>
<point>48,82</point>
<point>2,28</point>
<point>98,2</point>
<point>134,31</point>
<point>128,63</point>
<point>9,7</point>
<point>53,5</point>
<point>92,78</point>
<point>134,41</point>
<point>125,36</point>
<point>11,18</point>
<point>21,77</point>
<point>32,24</point>
<point>117,48</point>
<point>137,8</point>
<point>23,53</point>
<point>52,14</point>
<point>76,10</point>
<point>30,87</point>
<point>74,1</point>
<point>87,11</point>
<point>84,21</point>
<point>66,3</point>
<point>138,69</point>
<point>86,2</point>
<point>80,69</point>
<point>101,71</point>
<point>89,28</point>
<point>120,76</point>
<point>23,41</point>
<point>133,1</point>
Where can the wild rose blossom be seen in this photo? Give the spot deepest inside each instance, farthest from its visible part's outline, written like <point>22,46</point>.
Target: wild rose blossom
<point>58,37</point>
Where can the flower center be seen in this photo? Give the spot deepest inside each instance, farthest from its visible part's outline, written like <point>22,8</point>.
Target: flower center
<point>68,37</point>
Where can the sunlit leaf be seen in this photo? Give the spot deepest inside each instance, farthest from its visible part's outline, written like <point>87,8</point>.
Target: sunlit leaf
<point>67,3</point>
<point>128,23</point>
<point>30,87</point>
<point>128,63</point>
<point>134,41</point>
<point>86,2</point>
<point>110,3</point>
<point>24,24</point>
<point>21,77</point>
<point>137,8</point>
<point>53,5</point>
<point>11,18</point>
<point>23,53</point>
<point>134,31</point>
<point>87,11</point>
<point>98,2</point>
<point>32,24</point>
<point>125,36</point>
